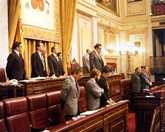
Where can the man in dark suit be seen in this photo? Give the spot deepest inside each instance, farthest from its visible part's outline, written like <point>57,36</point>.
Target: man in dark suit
<point>38,61</point>
<point>15,63</point>
<point>135,84</point>
<point>62,71</point>
<point>95,58</point>
<point>70,93</point>
<point>54,63</point>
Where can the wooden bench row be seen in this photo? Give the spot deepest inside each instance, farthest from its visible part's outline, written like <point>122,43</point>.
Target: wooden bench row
<point>43,111</point>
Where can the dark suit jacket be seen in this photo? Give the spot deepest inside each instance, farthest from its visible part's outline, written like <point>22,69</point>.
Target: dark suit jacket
<point>62,72</point>
<point>105,96</point>
<point>135,82</point>
<point>95,61</point>
<point>55,66</point>
<point>37,66</point>
<point>70,96</point>
<point>15,67</point>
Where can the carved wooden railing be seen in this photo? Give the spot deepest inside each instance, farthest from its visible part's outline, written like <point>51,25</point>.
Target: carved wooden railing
<point>157,64</point>
<point>155,124</point>
<point>158,8</point>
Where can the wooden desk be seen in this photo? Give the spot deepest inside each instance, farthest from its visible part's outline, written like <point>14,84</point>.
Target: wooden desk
<point>108,119</point>
<point>144,111</point>
<point>42,86</point>
<point>114,87</point>
<point>11,90</point>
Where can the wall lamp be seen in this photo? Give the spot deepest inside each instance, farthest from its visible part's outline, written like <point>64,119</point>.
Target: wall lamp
<point>129,49</point>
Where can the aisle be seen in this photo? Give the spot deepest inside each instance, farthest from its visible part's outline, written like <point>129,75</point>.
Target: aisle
<point>131,122</point>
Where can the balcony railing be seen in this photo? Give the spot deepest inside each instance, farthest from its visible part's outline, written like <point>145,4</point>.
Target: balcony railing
<point>158,8</point>
<point>157,64</point>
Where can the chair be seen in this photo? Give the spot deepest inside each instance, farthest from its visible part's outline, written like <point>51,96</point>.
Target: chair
<point>2,119</point>
<point>17,118</point>
<point>69,69</point>
<point>2,75</point>
<point>122,76</point>
<point>113,64</point>
<point>38,112</point>
<point>82,100</point>
<point>54,109</point>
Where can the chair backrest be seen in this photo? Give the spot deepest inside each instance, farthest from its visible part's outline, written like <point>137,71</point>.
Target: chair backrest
<point>73,65</point>
<point>2,119</point>
<point>2,75</point>
<point>37,111</point>
<point>17,118</point>
<point>54,109</point>
<point>82,99</point>
<point>122,76</point>
<point>112,64</point>
<point>69,69</point>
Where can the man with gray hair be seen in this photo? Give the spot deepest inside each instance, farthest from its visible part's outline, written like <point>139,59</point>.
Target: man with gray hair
<point>70,93</point>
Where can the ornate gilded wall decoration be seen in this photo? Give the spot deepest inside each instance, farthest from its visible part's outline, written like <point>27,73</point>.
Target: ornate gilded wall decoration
<point>110,5</point>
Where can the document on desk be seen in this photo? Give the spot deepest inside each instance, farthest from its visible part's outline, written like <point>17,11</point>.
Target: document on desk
<point>26,80</point>
<point>88,112</point>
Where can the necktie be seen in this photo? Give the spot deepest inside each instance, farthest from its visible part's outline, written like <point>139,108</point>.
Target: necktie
<point>20,55</point>
<point>43,63</point>
<point>76,85</point>
<point>57,58</point>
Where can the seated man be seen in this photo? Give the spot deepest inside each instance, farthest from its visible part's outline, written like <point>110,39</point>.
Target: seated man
<point>94,92</point>
<point>70,93</point>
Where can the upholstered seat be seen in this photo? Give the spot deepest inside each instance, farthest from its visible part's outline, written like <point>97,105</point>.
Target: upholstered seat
<point>37,111</point>
<point>54,109</point>
<point>17,118</point>
<point>82,100</point>
<point>2,75</point>
<point>2,119</point>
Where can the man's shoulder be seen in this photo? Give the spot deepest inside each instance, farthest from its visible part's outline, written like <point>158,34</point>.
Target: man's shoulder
<point>68,79</point>
<point>34,54</point>
<point>12,54</point>
<point>50,56</point>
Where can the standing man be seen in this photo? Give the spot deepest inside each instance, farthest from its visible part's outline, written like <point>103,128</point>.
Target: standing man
<point>93,91</point>
<point>38,61</point>
<point>86,64</point>
<point>136,84</point>
<point>62,72</point>
<point>15,63</point>
<point>95,58</point>
<point>54,63</point>
<point>70,93</point>
<point>146,82</point>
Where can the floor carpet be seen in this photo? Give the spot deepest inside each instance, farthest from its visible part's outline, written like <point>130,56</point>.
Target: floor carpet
<point>131,122</point>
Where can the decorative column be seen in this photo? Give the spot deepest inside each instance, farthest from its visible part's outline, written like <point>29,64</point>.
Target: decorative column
<point>129,65</point>
<point>3,32</point>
